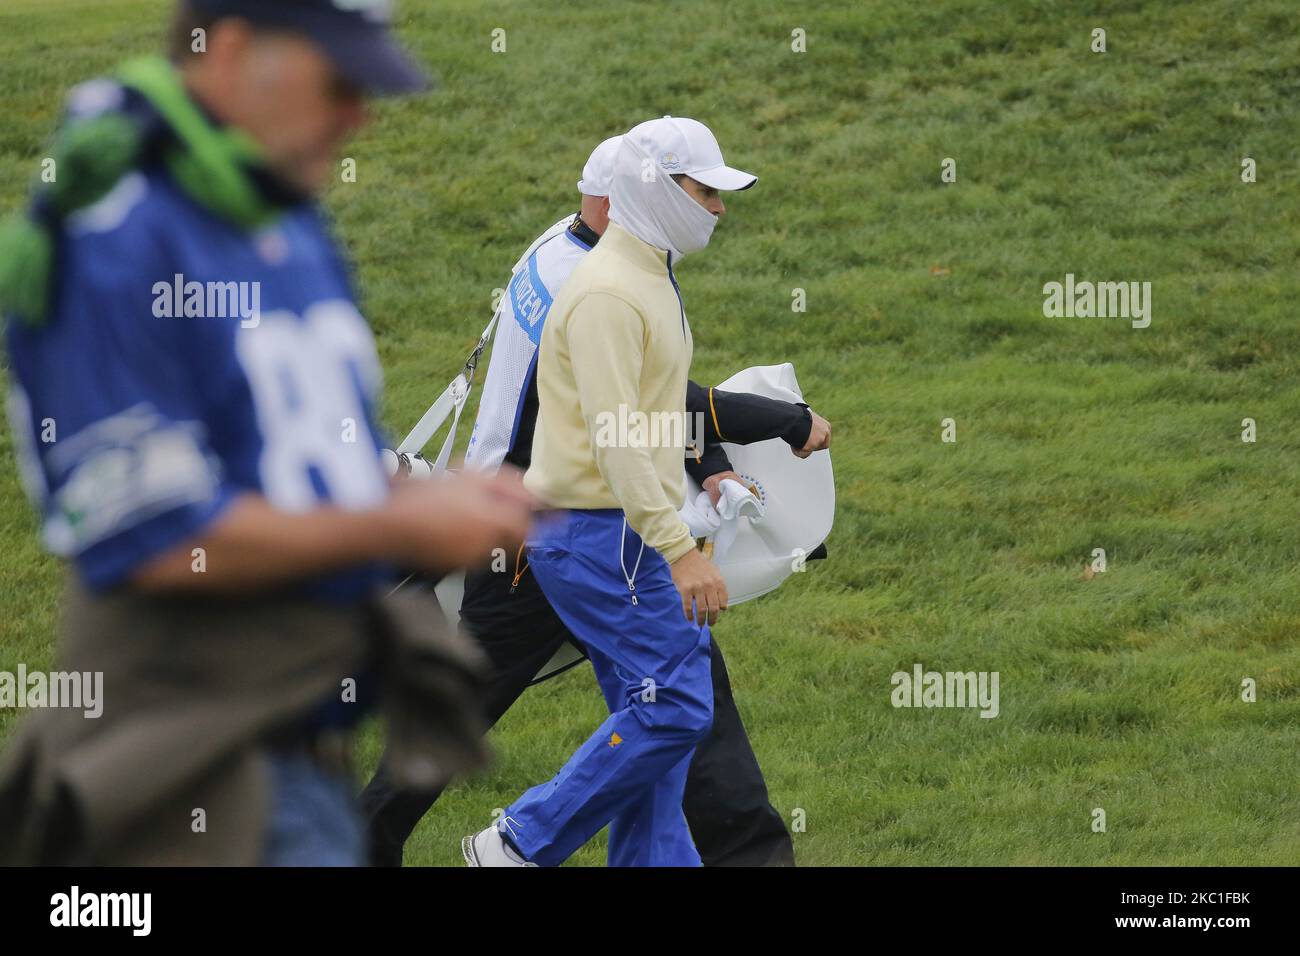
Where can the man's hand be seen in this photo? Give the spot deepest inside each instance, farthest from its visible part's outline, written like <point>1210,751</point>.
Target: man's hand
<point>819,436</point>
<point>700,583</point>
<point>435,525</point>
<point>713,484</point>
<point>456,521</point>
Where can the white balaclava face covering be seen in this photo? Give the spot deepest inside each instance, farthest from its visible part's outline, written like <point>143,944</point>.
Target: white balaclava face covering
<point>645,201</point>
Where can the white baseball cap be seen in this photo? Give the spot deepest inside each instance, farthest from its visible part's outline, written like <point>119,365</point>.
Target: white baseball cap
<point>681,145</point>
<point>599,171</point>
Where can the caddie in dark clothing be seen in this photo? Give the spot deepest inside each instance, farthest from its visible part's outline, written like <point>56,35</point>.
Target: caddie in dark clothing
<point>193,403</point>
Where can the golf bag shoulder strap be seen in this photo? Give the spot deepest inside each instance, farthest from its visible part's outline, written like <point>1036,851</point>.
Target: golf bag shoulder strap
<point>450,403</point>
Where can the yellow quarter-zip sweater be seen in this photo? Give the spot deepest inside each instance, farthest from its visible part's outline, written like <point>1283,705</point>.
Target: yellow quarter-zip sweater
<point>615,344</point>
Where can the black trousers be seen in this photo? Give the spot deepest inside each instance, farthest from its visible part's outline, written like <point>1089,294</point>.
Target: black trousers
<point>726,802</point>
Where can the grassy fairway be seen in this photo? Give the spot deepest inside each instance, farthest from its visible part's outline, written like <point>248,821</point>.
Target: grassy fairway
<point>924,302</point>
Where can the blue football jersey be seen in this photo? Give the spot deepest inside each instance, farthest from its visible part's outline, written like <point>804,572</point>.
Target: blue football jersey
<point>185,362</point>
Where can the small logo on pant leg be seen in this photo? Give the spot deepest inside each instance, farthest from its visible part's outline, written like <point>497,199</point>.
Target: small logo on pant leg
<point>615,739</point>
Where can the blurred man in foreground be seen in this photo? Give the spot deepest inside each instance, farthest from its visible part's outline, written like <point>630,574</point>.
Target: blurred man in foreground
<point>194,405</point>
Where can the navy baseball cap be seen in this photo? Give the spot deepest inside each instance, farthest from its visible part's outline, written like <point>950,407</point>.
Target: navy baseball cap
<point>354,34</point>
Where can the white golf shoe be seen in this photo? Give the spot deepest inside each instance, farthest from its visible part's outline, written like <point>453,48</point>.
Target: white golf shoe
<point>486,848</point>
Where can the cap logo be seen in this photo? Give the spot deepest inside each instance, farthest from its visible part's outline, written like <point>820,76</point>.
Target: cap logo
<point>670,161</point>
<point>376,11</point>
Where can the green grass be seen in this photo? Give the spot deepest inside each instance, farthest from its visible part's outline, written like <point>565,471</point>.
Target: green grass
<point>924,302</point>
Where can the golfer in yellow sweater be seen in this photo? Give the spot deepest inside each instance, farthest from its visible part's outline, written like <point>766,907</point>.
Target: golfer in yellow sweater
<point>617,563</point>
